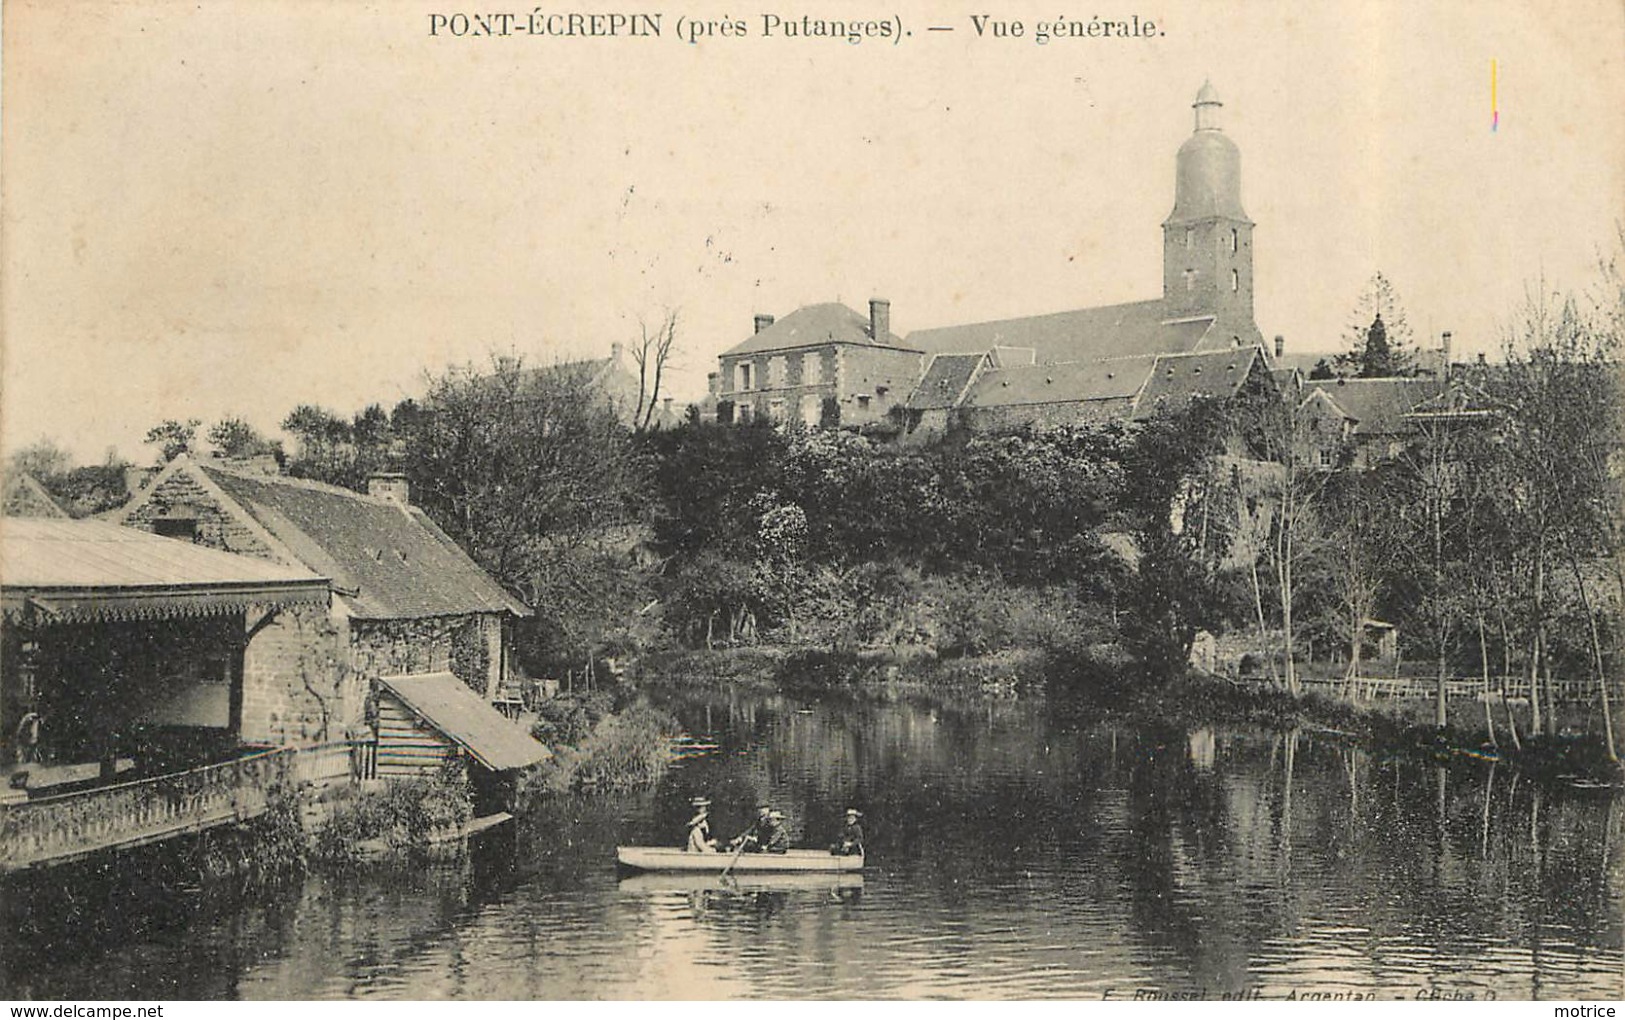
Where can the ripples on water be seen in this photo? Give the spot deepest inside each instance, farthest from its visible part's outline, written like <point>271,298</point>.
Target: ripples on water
<point>1011,856</point>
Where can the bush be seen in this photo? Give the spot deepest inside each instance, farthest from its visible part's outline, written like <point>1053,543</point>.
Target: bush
<point>568,718</point>
<point>398,816</point>
<point>622,750</point>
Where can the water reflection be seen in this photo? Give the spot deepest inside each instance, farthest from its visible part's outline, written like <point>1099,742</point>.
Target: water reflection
<point>1011,855</point>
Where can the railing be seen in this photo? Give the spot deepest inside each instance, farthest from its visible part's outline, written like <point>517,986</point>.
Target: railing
<point>131,814</point>
<point>1369,688</point>
<point>72,825</point>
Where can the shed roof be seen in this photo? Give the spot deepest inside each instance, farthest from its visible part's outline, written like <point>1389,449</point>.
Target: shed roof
<point>391,561</point>
<point>1084,334</point>
<point>815,326</point>
<point>450,706</point>
<point>95,570</point>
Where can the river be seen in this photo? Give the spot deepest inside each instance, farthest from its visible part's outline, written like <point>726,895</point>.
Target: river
<point>1011,854</point>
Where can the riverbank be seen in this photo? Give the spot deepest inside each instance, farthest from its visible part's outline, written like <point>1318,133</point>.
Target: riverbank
<point>1093,687</point>
<point>805,669</point>
<point>1198,699</point>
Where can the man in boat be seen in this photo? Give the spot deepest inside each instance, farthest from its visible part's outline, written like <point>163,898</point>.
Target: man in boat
<point>775,839</point>
<point>699,828</point>
<point>750,839</point>
<point>850,842</point>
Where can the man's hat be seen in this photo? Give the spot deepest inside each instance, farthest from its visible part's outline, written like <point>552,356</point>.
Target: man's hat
<point>775,813</point>
<point>763,808</point>
<point>854,812</point>
<point>699,802</point>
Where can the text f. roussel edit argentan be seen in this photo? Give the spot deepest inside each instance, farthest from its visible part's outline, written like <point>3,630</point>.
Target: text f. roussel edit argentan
<point>462,25</point>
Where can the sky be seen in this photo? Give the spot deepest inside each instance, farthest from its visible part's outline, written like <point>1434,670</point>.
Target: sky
<point>231,208</point>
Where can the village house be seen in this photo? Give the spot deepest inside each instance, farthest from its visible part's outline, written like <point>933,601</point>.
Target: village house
<point>406,598</point>
<point>820,365</point>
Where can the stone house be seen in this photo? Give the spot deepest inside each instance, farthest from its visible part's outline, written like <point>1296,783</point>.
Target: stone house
<point>819,364</point>
<point>406,599</point>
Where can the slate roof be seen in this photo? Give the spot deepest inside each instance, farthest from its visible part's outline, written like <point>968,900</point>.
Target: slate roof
<point>98,570</point>
<point>1176,378</point>
<point>1117,380</point>
<point>944,382</point>
<point>813,326</point>
<point>1085,334</point>
<point>1378,406</point>
<point>450,706</point>
<point>389,561</point>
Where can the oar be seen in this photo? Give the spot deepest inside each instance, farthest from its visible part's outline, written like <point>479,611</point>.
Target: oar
<point>737,851</point>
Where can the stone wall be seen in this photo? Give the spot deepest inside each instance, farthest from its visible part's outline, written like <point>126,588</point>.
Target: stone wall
<point>183,495</point>
<point>296,689</point>
<point>455,644</point>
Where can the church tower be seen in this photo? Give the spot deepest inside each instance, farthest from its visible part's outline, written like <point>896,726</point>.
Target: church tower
<point>1207,241</point>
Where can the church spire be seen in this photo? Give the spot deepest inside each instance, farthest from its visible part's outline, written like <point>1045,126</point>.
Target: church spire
<point>1207,107</point>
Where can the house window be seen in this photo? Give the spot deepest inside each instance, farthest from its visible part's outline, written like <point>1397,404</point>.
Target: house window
<point>1325,458</point>
<point>1235,280</point>
<point>775,410</point>
<point>176,527</point>
<point>863,401</point>
<point>1190,280</point>
<point>744,412</point>
<point>744,376</point>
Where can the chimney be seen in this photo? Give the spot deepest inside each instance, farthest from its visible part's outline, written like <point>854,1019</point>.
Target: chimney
<point>1481,359</point>
<point>615,351</point>
<point>665,404</point>
<point>879,320</point>
<point>763,321</point>
<point>1444,355</point>
<point>1280,345</point>
<point>390,485</point>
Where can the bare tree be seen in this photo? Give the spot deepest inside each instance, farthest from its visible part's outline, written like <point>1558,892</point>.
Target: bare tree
<point>652,354</point>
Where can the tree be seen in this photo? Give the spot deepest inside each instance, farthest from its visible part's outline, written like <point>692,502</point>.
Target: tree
<point>234,437</point>
<point>533,474</point>
<point>42,458</point>
<point>1378,341</point>
<point>1561,395</point>
<point>1168,485</point>
<point>173,438</point>
<point>331,449</point>
<point>652,354</point>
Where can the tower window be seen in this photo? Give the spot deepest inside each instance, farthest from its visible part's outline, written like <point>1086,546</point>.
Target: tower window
<point>1235,240</point>
<point>1190,236</point>
<point>1235,280</point>
<point>1190,280</point>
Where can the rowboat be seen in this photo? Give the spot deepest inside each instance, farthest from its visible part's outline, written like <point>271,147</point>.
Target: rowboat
<point>640,882</point>
<point>660,858</point>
